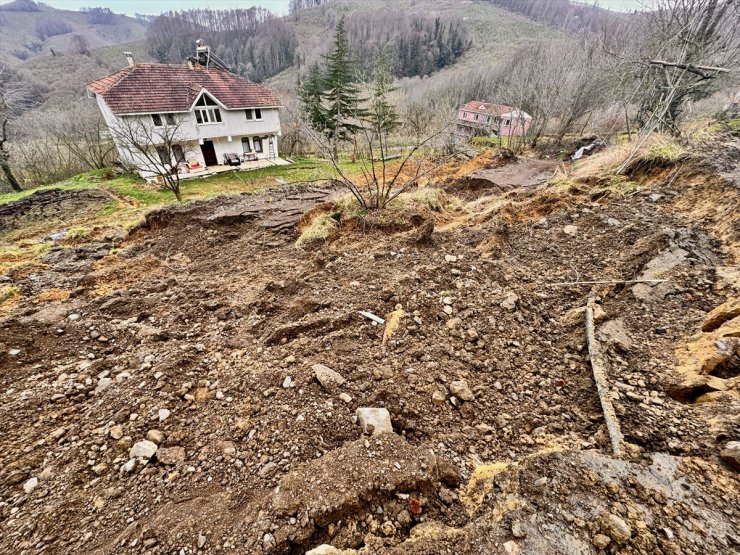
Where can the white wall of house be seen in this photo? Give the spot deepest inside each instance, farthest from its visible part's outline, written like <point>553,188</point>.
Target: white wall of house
<point>226,135</point>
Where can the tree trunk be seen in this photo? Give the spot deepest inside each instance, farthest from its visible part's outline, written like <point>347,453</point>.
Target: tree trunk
<point>10,177</point>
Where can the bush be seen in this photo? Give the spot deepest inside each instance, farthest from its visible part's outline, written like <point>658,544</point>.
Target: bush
<point>99,16</point>
<point>20,54</point>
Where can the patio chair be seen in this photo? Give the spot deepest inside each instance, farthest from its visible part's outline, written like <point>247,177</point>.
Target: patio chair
<point>195,166</point>
<point>231,159</point>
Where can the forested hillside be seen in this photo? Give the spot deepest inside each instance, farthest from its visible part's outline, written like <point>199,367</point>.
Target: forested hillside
<point>29,29</point>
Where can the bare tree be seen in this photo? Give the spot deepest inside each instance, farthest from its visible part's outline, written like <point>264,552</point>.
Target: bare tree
<point>15,97</point>
<point>155,150</point>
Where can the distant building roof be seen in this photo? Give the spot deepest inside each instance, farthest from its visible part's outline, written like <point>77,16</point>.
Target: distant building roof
<point>152,88</point>
<point>477,106</point>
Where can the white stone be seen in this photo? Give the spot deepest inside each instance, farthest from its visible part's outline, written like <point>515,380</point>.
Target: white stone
<point>30,485</point>
<point>570,230</point>
<point>163,414</point>
<point>328,378</point>
<point>374,421</point>
<point>143,449</point>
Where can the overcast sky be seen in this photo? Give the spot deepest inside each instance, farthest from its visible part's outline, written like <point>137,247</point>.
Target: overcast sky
<point>278,6</point>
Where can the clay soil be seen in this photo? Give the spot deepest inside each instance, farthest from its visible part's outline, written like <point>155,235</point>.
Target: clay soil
<point>211,312</point>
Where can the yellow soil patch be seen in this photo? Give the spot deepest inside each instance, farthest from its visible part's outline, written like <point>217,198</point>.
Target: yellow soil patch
<point>51,295</point>
<point>113,272</point>
<point>9,298</point>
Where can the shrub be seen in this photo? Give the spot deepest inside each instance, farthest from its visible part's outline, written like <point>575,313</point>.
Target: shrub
<point>20,54</point>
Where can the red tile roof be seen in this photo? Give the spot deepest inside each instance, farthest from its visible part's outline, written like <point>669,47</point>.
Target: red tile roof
<point>152,88</point>
<point>487,108</point>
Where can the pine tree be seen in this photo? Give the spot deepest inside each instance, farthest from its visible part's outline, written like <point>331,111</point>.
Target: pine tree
<point>382,115</point>
<point>310,94</point>
<point>341,93</point>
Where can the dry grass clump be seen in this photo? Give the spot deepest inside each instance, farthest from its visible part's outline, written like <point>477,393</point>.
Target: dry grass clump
<point>320,228</point>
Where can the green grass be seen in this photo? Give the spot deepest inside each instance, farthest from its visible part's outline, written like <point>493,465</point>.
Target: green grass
<point>664,153</point>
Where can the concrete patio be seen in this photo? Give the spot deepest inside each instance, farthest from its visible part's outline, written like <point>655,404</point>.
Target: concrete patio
<point>244,166</point>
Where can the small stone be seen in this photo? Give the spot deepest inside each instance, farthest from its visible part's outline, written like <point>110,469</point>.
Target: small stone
<point>461,390</point>
<point>228,448</point>
<point>328,378</point>
<point>30,485</point>
<point>155,436</point>
<point>616,528</point>
<point>517,530</point>
<point>73,317</point>
<point>163,414</point>
<point>201,540</point>
<point>438,398</point>
<point>404,518</point>
<point>116,432</point>
<point>600,541</point>
<point>374,421</point>
<point>268,470</point>
<point>571,230</point>
<point>387,528</point>
<point>144,449</point>
<point>509,302</point>
<point>288,382</point>
<point>128,468</point>
<point>345,397</point>
<point>731,454</point>
<point>450,258</point>
<point>100,469</point>
<point>103,384</point>
<point>14,352</point>
<point>540,482</point>
<point>511,548</point>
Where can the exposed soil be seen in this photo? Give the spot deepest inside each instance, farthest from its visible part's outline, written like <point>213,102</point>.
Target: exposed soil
<point>202,335</point>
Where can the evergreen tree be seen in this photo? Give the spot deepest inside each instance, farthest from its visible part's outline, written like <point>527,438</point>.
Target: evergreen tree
<point>342,102</point>
<point>382,115</point>
<point>310,94</point>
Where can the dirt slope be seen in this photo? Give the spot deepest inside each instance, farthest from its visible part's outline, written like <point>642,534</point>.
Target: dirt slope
<point>169,402</point>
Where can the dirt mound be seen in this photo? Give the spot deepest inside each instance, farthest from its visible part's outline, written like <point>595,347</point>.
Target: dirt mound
<point>50,205</point>
<point>519,174</point>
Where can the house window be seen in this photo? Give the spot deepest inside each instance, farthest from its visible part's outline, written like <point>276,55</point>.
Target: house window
<point>257,144</point>
<point>245,145</point>
<point>507,122</point>
<point>170,119</point>
<point>164,156</point>
<point>465,115</point>
<point>254,114</point>
<point>179,154</point>
<point>206,110</point>
<point>157,119</point>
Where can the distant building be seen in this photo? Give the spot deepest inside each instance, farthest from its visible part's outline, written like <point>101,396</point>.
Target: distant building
<point>216,112</point>
<point>478,118</point>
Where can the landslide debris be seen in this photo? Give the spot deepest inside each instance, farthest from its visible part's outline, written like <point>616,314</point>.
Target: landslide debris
<point>164,397</point>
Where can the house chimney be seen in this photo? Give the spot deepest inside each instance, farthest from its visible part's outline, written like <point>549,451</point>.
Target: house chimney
<point>130,58</point>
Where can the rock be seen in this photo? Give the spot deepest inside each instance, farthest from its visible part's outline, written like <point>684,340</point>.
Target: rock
<point>328,378</point>
<point>616,528</point>
<point>228,448</point>
<point>326,549</point>
<point>15,477</point>
<point>116,432</point>
<point>163,414</point>
<point>171,455</point>
<point>14,352</point>
<point>509,302</point>
<point>461,390</point>
<point>345,397</point>
<point>571,230</point>
<point>517,530</point>
<point>450,258</point>
<point>201,540</point>
<point>613,333</point>
<point>404,518</point>
<point>128,468</point>
<point>155,436</point>
<point>511,548</point>
<point>30,485</point>
<point>731,454</point>
<point>103,384</point>
<point>600,541</point>
<point>268,470</point>
<point>439,398</point>
<point>721,314</point>
<point>144,449</point>
<point>100,469</point>
<point>288,382</point>
<point>374,421</point>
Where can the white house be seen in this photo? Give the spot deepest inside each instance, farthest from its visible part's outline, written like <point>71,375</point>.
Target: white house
<point>213,112</point>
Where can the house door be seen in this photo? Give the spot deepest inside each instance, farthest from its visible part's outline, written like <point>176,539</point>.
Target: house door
<point>209,153</point>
